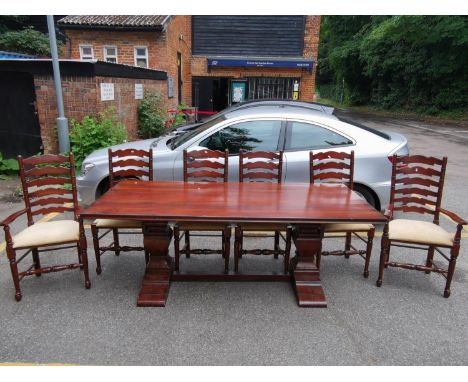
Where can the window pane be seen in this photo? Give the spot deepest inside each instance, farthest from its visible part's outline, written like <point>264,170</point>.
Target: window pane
<point>307,136</point>
<point>110,51</point>
<point>249,136</point>
<point>87,51</point>
<point>142,62</point>
<point>141,52</point>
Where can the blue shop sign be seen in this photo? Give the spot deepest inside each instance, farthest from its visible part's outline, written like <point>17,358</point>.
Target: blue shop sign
<point>291,63</point>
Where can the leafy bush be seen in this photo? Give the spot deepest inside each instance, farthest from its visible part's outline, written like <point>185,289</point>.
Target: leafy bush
<point>93,133</point>
<point>416,63</point>
<point>8,167</point>
<point>28,41</point>
<point>151,116</point>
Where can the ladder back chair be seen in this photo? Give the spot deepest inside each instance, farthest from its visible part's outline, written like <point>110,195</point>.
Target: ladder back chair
<point>417,185</point>
<point>123,164</point>
<point>338,167</point>
<point>203,166</point>
<point>49,186</point>
<point>261,166</point>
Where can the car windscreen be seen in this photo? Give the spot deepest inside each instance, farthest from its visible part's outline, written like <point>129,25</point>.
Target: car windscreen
<point>181,139</point>
<point>361,126</point>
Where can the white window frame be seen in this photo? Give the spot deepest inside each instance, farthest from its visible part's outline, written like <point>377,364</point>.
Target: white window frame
<point>106,56</point>
<point>136,56</point>
<point>81,52</point>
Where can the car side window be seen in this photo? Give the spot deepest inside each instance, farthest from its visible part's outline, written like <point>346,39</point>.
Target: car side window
<point>305,136</point>
<point>248,136</point>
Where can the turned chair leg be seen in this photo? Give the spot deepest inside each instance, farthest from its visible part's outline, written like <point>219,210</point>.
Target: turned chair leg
<point>237,247</point>
<point>115,233</point>
<point>79,256</point>
<point>370,240</point>
<point>287,250</point>
<point>430,258</point>
<point>223,243</point>
<point>226,248</point>
<point>348,244</point>
<point>37,262</point>
<point>97,251</point>
<point>277,237</point>
<point>318,259</point>
<point>176,247</point>
<point>187,244</point>
<point>14,274</point>
<point>84,257</point>
<point>452,262</point>
<point>384,256</point>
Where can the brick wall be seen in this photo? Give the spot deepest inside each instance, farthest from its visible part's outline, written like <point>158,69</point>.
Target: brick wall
<point>81,96</point>
<point>162,49</point>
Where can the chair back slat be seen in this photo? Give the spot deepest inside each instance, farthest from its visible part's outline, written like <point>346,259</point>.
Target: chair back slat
<point>52,200</point>
<point>332,167</point>
<point>55,209</point>
<point>121,163</point>
<point>130,164</point>
<point>421,159</point>
<point>49,191</point>
<point>260,166</point>
<point>416,190</point>
<point>206,165</point>
<point>49,185</point>
<point>410,199</point>
<point>417,184</point>
<point>39,182</point>
<point>41,171</point>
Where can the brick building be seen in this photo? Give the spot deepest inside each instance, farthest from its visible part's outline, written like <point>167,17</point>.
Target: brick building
<point>211,61</point>
<point>28,103</point>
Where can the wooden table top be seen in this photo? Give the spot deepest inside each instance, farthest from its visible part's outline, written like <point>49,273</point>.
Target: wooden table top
<point>232,202</point>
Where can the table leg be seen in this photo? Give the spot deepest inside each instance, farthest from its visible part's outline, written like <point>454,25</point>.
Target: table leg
<point>306,276</point>
<point>155,286</point>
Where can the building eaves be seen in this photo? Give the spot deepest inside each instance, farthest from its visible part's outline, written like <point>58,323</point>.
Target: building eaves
<point>115,22</point>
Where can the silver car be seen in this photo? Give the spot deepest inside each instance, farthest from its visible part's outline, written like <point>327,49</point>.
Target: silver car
<point>294,127</point>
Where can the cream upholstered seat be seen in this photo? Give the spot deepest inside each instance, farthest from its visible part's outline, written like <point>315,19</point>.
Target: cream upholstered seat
<point>47,233</point>
<point>348,227</point>
<point>117,223</point>
<point>419,232</point>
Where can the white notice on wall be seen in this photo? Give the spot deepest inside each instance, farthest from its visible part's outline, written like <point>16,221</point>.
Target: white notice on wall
<point>138,91</point>
<point>107,92</point>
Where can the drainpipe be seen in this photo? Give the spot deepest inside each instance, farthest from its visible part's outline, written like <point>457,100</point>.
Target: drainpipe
<point>62,122</point>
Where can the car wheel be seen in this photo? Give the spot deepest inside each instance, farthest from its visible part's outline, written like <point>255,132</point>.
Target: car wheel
<point>102,188</point>
<point>367,194</point>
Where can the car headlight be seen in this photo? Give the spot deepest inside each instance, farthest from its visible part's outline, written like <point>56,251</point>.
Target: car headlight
<point>86,167</point>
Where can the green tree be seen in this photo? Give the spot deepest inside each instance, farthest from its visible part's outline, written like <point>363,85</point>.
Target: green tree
<point>405,62</point>
<point>28,41</point>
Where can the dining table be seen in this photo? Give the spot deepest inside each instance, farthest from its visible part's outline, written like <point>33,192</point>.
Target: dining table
<point>304,207</point>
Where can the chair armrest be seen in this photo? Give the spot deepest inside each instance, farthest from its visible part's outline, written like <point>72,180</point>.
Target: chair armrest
<point>457,219</point>
<point>10,219</point>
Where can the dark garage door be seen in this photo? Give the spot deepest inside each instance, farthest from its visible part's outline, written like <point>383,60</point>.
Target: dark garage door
<point>19,125</point>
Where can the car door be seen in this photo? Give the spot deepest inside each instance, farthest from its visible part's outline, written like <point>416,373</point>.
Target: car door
<point>303,137</point>
<point>250,135</point>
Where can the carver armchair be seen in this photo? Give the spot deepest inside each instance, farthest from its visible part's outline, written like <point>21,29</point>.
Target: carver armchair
<point>49,187</point>
<point>416,188</point>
